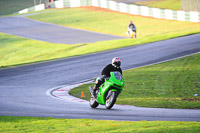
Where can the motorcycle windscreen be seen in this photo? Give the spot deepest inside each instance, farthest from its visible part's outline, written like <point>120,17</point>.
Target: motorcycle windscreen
<point>118,75</point>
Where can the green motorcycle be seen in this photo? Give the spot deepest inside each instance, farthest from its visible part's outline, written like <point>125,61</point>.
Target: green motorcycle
<point>108,91</point>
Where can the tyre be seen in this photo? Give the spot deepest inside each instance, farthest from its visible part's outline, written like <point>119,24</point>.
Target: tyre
<point>93,102</point>
<point>111,99</point>
<point>131,34</point>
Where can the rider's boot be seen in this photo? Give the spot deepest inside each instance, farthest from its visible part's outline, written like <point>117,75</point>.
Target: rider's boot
<point>94,90</point>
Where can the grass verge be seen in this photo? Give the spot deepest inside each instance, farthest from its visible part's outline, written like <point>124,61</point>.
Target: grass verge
<point>16,51</point>
<point>165,4</point>
<point>167,85</point>
<point>11,6</point>
<point>106,21</point>
<point>35,124</point>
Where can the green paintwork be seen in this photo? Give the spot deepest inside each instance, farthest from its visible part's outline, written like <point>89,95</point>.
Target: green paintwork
<point>111,83</point>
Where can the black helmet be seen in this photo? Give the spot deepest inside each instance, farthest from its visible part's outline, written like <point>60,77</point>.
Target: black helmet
<point>116,62</point>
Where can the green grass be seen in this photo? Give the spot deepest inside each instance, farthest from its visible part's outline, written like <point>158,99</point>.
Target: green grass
<point>165,4</point>
<point>149,30</point>
<point>15,51</point>
<point>30,124</point>
<point>11,6</point>
<point>105,21</point>
<point>167,85</point>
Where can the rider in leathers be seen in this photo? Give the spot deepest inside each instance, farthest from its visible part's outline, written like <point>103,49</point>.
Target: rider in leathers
<point>132,27</point>
<point>115,66</point>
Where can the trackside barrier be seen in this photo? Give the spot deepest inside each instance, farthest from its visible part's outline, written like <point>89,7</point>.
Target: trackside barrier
<point>35,8</point>
<point>191,16</point>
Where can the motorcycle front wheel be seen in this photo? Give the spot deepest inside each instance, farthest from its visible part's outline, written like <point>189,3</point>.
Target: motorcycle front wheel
<point>111,99</point>
<point>93,102</point>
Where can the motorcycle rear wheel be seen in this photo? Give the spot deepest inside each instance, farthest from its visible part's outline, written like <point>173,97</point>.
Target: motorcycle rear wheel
<point>110,101</point>
<point>93,102</point>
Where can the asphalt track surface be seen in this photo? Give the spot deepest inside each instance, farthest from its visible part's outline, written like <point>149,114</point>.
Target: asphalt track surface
<point>37,30</point>
<point>23,90</point>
